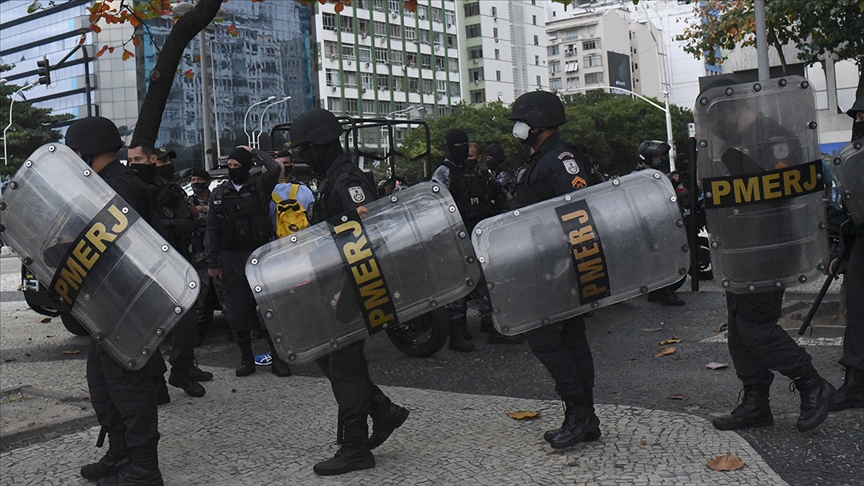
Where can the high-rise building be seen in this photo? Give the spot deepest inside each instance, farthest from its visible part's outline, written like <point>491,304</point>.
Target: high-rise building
<point>504,49</point>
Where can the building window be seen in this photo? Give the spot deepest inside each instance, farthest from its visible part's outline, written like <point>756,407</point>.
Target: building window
<point>552,50</point>
<point>427,86</point>
<point>369,106</point>
<point>350,107</point>
<point>451,41</point>
<point>383,107</point>
<point>362,26</point>
<point>439,63</point>
<point>380,28</point>
<point>570,50</point>
<point>396,57</point>
<point>497,75</point>
<point>426,61</point>
<point>472,9</point>
<point>395,5</point>
<point>539,81</point>
<point>454,89</point>
<point>472,31</point>
<point>497,54</point>
<point>588,45</point>
<point>573,83</point>
<point>475,75</point>
<point>367,81</point>
<point>454,65</point>
<point>594,60</point>
<point>436,14</point>
<point>350,79</point>
<point>410,33</point>
<point>411,59</point>
<point>495,12</point>
<point>594,78</point>
<point>332,77</point>
<point>441,86</point>
<point>331,49</point>
<point>383,82</point>
<point>334,105</point>
<point>413,85</point>
<point>554,67</point>
<point>536,60</point>
<point>478,96</point>
<point>450,17</point>
<point>495,32</point>
<point>554,83</point>
<point>381,54</point>
<point>378,5</point>
<point>536,40</point>
<point>347,52</point>
<point>396,31</point>
<point>475,52</point>
<point>328,21</point>
<point>534,19</point>
<point>571,66</point>
<point>365,54</point>
<point>424,36</point>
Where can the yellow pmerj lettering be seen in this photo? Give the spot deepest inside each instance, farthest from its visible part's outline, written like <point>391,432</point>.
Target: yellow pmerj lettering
<point>746,192</point>
<point>813,179</point>
<point>718,190</point>
<point>591,270</point>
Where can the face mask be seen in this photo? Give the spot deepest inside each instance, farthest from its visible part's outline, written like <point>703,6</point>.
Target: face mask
<point>238,175</point>
<point>471,163</point>
<point>166,172</point>
<point>521,130</point>
<point>199,187</point>
<point>146,172</point>
<point>857,130</point>
<point>458,154</point>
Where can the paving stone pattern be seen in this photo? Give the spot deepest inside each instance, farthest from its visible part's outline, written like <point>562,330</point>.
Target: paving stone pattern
<point>245,431</point>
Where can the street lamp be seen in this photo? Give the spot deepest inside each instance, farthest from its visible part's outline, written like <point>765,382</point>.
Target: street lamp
<point>405,110</point>
<point>246,116</point>
<point>665,86</point>
<point>257,140</point>
<point>11,103</point>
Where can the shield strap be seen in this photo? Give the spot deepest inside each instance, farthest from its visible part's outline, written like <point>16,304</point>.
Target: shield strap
<point>94,247</point>
<point>589,261</point>
<point>373,297</point>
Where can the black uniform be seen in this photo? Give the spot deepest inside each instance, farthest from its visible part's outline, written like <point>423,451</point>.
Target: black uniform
<point>238,222</point>
<point>212,291</point>
<point>346,188</point>
<point>124,400</point>
<point>554,169</point>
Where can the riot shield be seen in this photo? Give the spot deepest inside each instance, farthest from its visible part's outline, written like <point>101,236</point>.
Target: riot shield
<point>761,173</point>
<point>591,248</point>
<point>123,281</point>
<point>848,171</point>
<point>337,282</point>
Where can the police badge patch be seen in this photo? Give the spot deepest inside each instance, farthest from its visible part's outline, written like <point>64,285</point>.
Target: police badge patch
<point>781,150</point>
<point>571,166</point>
<point>357,194</point>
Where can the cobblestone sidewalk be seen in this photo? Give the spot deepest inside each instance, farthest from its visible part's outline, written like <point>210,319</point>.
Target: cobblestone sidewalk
<point>241,432</point>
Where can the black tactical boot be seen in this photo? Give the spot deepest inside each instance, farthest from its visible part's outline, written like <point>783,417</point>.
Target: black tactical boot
<point>815,393</point>
<point>386,417</point>
<point>851,394</point>
<point>198,374</point>
<point>457,337</point>
<point>496,337</point>
<point>279,367</point>
<point>593,432</point>
<point>182,379</point>
<point>754,410</point>
<point>111,463</point>
<point>578,421</point>
<point>133,475</point>
<point>354,454</point>
<point>247,357</point>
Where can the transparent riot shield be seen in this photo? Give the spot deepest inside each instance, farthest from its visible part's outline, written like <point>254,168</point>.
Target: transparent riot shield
<point>591,248</point>
<point>337,282</point>
<point>761,173</point>
<point>848,171</point>
<point>123,281</point>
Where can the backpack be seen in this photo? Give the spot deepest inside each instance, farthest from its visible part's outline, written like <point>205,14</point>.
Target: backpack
<point>290,215</point>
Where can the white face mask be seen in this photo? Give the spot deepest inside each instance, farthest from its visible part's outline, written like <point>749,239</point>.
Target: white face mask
<point>521,130</point>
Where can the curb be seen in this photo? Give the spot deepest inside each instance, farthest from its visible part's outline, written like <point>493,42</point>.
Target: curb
<point>22,436</point>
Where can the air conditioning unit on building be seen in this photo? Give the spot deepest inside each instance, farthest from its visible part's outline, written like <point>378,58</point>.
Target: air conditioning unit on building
<point>368,64</point>
<point>394,14</point>
<point>475,61</point>
<point>334,89</point>
<point>332,57</point>
<point>440,95</point>
<point>381,39</point>
<point>348,63</point>
<point>364,35</point>
<point>428,92</point>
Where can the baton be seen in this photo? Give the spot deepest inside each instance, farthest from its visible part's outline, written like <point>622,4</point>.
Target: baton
<point>818,301</point>
<point>101,440</point>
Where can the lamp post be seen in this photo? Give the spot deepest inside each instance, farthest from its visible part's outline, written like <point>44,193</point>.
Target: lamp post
<point>246,116</point>
<point>664,86</point>
<point>257,140</point>
<point>12,103</point>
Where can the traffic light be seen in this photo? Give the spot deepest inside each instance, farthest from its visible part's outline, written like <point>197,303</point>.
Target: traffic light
<point>44,71</point>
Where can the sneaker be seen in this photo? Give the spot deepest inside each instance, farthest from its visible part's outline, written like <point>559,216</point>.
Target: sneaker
<point>263,359</point>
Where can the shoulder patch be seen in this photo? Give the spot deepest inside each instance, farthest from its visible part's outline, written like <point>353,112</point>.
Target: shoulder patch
<point>571,166</point>
<point>565,155</point>
<point>357,194</point>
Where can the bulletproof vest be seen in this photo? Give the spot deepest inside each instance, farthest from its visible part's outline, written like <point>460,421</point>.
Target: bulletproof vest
<point>472,193</point>
<point>243,216</point>
<point>322,208</point>
<point>167,205</point>
<point>199,232</point>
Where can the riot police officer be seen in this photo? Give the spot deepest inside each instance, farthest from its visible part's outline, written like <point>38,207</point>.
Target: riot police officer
<point>344,187</point>
<point>238,222</point>
<point>124,400</point>
<point>169,205</point>
<point>475,196</point>
<point>651,154</point>
<point>851,394</point>
<point>556,168</point>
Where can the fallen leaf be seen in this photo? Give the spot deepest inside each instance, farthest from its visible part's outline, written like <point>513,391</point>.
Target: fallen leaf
<point>8,360</point>
<point>726,462</point>
<point>716,366</point>
<point>49,336</point>
<point>652,330</point>
<point>522,415</point>
<point>71,351</point>
<point>46,320</point>
<point>665,351</point>
<point>670,341</point>
<point>677,396</point>
<point>644,442</point>
<point>721,327</point>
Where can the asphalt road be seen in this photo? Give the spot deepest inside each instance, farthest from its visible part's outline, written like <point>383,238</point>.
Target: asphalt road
<point>627,374</point>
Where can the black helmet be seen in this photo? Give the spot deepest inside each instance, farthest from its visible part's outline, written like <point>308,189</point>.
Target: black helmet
<point>317,126</point>
<point>93,136</point>
<point>653,148</point>
<point>858,106</point>
<point>539,109</point>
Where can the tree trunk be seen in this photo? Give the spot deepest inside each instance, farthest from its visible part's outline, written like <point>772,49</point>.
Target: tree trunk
<point>162,77</point>
<point>773,40</point>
